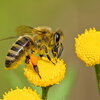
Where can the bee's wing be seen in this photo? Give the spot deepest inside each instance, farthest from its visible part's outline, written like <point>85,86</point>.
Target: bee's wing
<point>23,29</point>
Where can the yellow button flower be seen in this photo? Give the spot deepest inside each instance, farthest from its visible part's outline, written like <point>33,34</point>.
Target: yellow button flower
<point>21,94</point>
<point>87,47</point>
<point>50,73</point>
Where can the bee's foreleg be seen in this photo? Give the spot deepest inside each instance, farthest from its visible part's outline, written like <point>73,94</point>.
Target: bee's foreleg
<point>55,51</point>
<point>61,50</point>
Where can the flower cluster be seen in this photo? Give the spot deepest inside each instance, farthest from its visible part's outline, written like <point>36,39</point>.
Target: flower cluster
<point>50,73</point>
<point>21,94</point>
<point>87,47</point>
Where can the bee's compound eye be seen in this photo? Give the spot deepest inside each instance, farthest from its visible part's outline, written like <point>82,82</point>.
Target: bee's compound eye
<point>57,37</point>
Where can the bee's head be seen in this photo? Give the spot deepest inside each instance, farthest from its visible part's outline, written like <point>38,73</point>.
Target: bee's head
<point>58,46</point>
<point>58,37</point>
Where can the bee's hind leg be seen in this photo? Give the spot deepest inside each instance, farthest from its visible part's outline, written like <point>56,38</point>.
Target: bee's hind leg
<point>27,59</point>
<point>35,67</point>
<point>36,70</point>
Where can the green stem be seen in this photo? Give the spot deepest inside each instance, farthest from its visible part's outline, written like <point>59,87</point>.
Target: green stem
<point>45,92</point>
<point>97,70</point>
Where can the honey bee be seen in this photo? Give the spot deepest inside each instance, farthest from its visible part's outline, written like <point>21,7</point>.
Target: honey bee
<point>40,40</point>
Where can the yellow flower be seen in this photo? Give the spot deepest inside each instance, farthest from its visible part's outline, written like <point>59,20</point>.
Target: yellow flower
<point>21,94</point>
<point>87,47</point>
<point>50,73</point>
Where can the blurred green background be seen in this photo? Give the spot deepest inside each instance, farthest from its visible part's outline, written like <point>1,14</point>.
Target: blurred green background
<point>71,16</point>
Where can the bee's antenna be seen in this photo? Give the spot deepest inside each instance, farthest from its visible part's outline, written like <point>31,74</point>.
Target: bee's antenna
<point>9,38</point>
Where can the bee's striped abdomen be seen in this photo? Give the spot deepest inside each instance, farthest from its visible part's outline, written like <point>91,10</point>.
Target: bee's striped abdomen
<point>17,51</point>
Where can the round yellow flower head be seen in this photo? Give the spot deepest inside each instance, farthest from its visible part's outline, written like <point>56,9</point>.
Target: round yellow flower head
<point>87,47</point>
<point>21,94</point>
<point>49,73</point>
